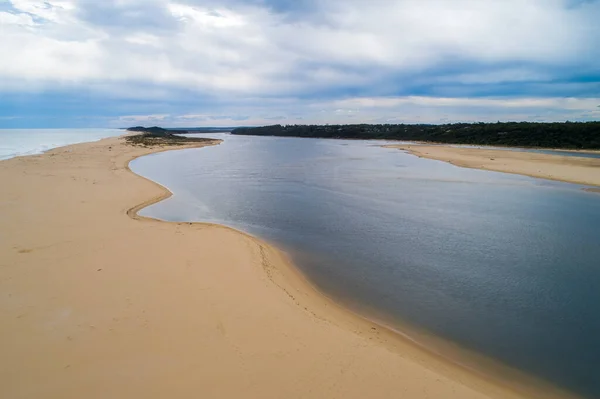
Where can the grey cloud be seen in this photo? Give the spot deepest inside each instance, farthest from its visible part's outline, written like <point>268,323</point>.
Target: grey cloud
<point>312,49</point>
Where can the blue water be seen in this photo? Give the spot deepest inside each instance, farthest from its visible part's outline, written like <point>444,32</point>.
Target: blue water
<point>18,142</point>
<point>502,264</point>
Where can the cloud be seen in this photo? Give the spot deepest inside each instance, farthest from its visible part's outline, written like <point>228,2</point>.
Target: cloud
<point>520,103</point>
<point>286,53</point>
<point>143,118</point>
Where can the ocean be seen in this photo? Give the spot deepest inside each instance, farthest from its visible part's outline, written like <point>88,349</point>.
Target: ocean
<point>19,142</point>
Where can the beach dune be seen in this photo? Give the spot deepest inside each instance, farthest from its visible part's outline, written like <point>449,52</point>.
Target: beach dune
<point>97,302</point>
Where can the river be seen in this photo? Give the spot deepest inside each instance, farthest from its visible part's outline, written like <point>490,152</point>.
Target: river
<point>504,265</point>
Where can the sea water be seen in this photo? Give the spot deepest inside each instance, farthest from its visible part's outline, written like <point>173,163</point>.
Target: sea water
<point>18,142</point>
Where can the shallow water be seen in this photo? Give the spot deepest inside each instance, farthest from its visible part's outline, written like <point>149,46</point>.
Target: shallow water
<point>576,154</point>
<point>565,153</point>
<point>502,264</point>
<point>18,142</point>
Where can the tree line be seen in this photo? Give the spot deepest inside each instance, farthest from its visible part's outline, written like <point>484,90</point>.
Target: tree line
<point>567,135</point>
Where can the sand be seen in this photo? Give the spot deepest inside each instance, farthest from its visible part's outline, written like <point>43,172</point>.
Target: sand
<point>96,302</point>
<point>578,170</point>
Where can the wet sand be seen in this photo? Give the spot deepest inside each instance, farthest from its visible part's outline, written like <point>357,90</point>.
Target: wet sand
<point>553,167</point>
<point>98,302</point>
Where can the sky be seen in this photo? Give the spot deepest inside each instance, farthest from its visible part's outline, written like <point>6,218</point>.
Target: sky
<point>184,63</point>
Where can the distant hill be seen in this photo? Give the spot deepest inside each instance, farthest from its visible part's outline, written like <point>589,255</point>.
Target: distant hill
<point>567,135</point>
<point>153,136</point>
<point>206,129</point>
<point>184,130</point>
<point>156,131</point>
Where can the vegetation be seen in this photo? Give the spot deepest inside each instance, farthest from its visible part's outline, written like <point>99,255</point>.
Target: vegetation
<point>157,136</point>
<point>188,130</point>
<point>156,131</point>
<point>569,135</point>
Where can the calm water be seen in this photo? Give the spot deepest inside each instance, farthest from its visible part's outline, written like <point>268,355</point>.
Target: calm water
<point>506,265</point>
<point>17,142</point>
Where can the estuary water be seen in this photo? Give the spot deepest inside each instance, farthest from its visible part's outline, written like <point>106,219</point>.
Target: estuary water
<point>505,265</point>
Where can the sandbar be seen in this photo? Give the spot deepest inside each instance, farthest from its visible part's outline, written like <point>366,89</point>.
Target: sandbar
<point>585,171</point>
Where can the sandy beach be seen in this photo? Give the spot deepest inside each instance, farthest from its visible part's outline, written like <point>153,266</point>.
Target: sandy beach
<point>578,170</point>
<point>97,302</point>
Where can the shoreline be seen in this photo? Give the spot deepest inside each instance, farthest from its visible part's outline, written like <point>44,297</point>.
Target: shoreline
<point>490,147</point>
<point>575,170</point>
<point>310,310</point>
<point>38,151</point>
<point>436,351</point>
<point>432,346</point>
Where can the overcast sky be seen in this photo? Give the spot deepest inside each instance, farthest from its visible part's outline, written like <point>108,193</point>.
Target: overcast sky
<point>97,63</point>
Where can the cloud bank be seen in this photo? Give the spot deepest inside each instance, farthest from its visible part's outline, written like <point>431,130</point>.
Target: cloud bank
<point>235,62</point>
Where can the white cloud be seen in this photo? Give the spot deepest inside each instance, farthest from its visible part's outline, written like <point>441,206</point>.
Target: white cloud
<point>221,48</point>
<point>56,11</point>
<point>581,104</point>
<point>7,18</point>
<point>234,49</point>
<point>143,118</point>
<point>206,17</point>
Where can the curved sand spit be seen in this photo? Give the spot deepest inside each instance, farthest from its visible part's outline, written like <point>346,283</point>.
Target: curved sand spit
<point>96,304</point>
<point>578,170</point>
